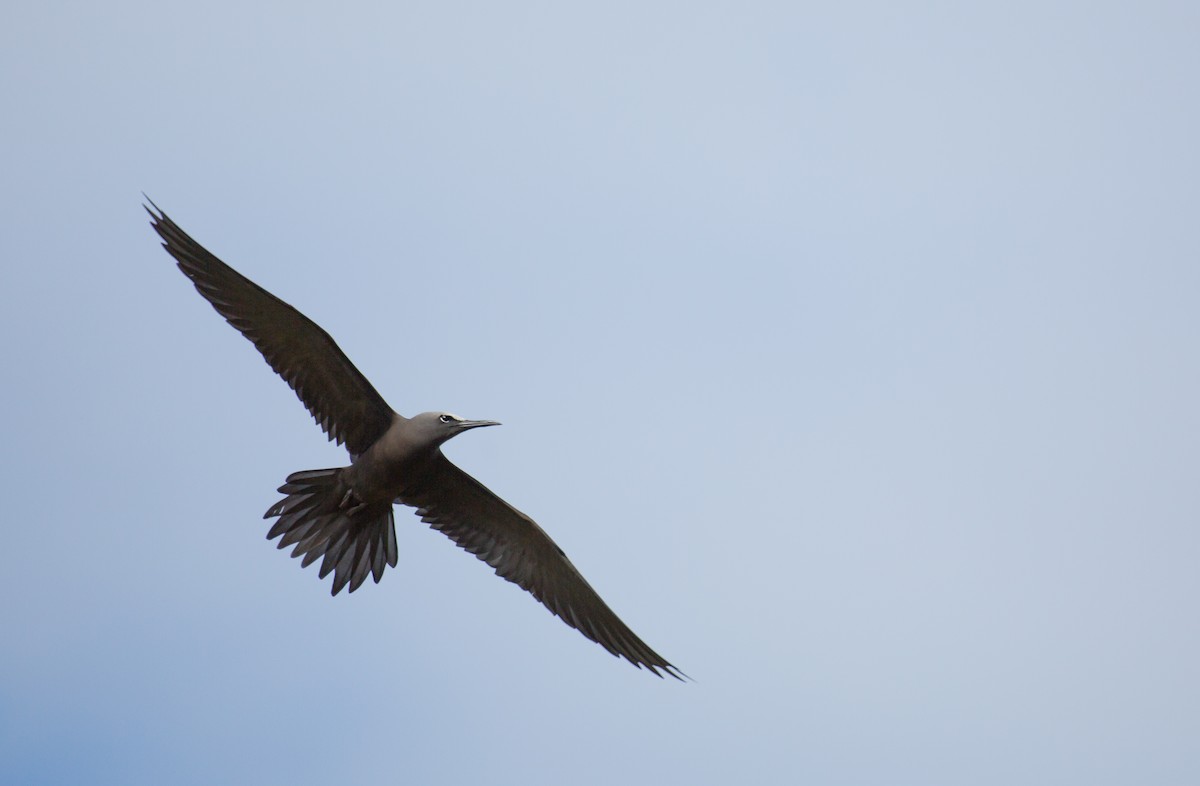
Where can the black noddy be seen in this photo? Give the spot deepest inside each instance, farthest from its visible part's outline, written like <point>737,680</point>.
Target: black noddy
<point>343,515</point>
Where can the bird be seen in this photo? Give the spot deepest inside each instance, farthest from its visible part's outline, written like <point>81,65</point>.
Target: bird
<point>343,516</point>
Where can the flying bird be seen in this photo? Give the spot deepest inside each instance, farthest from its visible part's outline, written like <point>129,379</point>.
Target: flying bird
<point>343,515</point>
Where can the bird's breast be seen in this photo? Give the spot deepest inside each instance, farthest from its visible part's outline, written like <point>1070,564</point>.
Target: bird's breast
<point>382,472</point>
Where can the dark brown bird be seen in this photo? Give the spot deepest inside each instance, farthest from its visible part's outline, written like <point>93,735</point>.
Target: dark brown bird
<point>343,515</point>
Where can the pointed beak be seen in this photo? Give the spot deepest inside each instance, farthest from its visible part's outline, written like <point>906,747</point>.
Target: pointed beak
<point>470,424</point>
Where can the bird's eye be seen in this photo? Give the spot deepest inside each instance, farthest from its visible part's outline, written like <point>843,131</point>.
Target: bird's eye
<point>446,418</point>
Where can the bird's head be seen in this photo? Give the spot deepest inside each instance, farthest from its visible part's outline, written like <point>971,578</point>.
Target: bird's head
<point>437,427</point>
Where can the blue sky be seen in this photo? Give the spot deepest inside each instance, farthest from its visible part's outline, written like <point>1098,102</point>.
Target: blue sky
<point>850,351</point>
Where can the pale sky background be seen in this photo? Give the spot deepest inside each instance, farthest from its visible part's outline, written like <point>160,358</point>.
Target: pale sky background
<point>850,350</point>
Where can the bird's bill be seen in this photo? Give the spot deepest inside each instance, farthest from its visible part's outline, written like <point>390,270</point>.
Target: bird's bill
<point>469,424</point>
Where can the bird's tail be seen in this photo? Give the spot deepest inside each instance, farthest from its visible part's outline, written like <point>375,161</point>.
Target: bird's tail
<point>320,517</point>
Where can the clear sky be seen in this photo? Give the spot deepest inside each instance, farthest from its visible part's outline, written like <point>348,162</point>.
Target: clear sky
<point>850,350</point>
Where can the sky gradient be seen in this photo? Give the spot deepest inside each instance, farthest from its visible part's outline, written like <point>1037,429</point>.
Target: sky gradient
<point>849,351</point>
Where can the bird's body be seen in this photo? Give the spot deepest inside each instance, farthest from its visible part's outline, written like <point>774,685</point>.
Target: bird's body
<point>343,515</point>
<point>380,474</point>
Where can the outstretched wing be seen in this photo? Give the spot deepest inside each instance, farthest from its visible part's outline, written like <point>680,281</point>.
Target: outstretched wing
<point>336,393</point>
<point>453,502</point>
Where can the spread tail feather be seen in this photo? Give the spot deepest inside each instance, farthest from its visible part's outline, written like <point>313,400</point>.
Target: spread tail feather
<point>353,541</point>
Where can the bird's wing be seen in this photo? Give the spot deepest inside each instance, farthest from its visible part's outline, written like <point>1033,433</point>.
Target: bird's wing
<point>453,502</point>
<point>337,395</point>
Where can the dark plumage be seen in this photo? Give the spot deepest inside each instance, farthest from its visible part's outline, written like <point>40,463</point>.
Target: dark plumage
<point>343,515</point>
